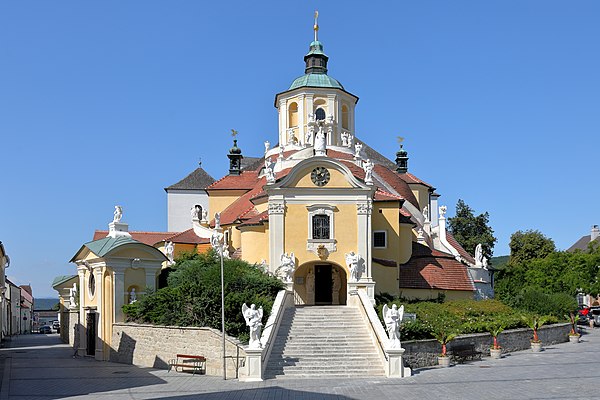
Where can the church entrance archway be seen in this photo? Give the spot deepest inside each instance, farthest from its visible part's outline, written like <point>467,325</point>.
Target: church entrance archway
<point>319,283</point>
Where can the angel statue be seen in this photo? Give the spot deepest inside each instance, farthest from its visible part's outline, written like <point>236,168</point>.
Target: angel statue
<point>352,261</point>
<point>285,271</point>
<point>217,220</point>
<point>118,214</point>
<point>170,252</point>
<point>392,318</point>
<point>253,319</point>
<point>73,296</point>
<point>269,170</point>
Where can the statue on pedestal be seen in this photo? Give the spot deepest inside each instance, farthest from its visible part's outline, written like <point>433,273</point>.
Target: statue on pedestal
<point>352,261</point>
<point>132,296</point>
<point>480,260</point>
<point>118,214</point>
<point>368,168</point>
<point>320,145</point>
<point>253,319</point>
<point>358,151</point>
<point>392,318</point>
<point>204,215</point>
<point>73,296</point>
<point>194,212</point>
<point>217,220</point>
<point>267,146</point>
<point>269,173</point>
<point>286,269</point>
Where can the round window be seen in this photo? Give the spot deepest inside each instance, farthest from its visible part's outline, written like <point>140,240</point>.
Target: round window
<point>92,284</point>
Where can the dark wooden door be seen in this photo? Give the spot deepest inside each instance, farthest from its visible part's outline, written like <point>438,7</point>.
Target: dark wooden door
<point>323,284</point>
<point>91,334</point>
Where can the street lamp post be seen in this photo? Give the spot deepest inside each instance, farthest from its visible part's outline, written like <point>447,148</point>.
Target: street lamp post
<point>218,243</point>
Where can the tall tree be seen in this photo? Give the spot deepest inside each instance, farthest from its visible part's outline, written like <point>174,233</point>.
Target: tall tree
<point>529,245</point>
<point>470,230</point>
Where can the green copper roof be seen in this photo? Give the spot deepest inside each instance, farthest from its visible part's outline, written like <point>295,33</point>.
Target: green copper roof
<point>62,279</point>
<point>315,80</point>
<point>316,47</point>
<point>102,247</point>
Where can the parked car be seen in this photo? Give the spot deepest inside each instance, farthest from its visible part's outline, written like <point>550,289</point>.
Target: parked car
<point>595,314</point>
<point>45,329</point>
<point>56,325</point>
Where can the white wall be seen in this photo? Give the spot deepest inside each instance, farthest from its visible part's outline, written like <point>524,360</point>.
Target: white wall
<point>179,203</point>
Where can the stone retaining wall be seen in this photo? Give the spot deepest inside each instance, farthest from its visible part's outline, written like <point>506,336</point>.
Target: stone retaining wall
<point>423,353</point>
<point>153,346</point>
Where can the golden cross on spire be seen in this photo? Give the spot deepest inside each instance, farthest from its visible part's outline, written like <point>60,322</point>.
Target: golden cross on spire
<point>234,133</point>
<point>316,25</point>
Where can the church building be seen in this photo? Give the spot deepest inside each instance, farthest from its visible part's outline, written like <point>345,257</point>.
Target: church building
<point>320,209</point>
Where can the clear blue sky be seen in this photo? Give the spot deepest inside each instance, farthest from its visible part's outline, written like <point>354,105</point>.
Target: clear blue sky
<point>105,103</point>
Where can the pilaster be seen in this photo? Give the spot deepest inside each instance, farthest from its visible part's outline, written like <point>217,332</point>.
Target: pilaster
<point>276,232</point>
<point>331,100</point>
<point>301,120</point>
<point>119,294</point>
<point>97,271</point>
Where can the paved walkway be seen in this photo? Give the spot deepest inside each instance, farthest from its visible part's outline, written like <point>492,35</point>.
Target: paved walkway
<point>40,367</point>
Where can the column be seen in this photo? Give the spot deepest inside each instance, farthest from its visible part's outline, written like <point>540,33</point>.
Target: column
<point>363,211</point>
<point>119,299</point>
<point>81,323</point>
<point>97,271</point>
<point>283,120</point>
<point>301,120</point>
<point>276,233</point>
<point>332,139</point>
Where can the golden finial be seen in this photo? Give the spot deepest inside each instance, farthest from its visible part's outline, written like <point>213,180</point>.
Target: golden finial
<point>234,133</point>
<point>316,26</point>
<point>400,140</point>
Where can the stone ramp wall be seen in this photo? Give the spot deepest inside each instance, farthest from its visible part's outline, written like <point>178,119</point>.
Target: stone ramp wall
<point>153,346</point>
<point>424,353</point>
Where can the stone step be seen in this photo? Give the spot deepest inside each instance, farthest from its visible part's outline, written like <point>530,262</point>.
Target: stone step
<point>324,371</point>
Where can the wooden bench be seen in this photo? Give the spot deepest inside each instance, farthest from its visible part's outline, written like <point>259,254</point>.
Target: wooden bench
<point>464,352</point>
<point>187,361</point>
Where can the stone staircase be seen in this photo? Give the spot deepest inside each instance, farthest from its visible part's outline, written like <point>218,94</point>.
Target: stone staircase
<point>323,341</point>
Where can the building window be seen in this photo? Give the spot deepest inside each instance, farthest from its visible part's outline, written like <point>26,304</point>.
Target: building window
<point>91,284</point>
<point>320,114</point>
<point>293,115</point>
<point>380,239</point>
<point>320,225</point>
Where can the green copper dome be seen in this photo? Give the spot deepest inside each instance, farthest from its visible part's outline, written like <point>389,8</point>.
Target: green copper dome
<point>316,80</point>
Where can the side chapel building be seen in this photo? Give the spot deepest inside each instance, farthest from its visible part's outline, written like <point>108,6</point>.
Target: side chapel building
<point>320,209</point>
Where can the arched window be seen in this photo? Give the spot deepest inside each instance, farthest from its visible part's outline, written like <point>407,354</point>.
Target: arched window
<point>293,115</point>
<point>345,117</point>
<point>320,226</point>
<point>320,114</point>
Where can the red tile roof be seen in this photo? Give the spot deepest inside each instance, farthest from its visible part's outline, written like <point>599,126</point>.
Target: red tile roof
<point>242,207</point>
<point>245,181</point>
<point>432,269</point>
<point>410,178</point>
<point>399,185</point>
<point>257,219</point>
<point>465,254</point>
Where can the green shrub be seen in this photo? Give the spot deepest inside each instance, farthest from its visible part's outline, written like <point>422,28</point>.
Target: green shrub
<point>193,295</point>
<point>535,300</point>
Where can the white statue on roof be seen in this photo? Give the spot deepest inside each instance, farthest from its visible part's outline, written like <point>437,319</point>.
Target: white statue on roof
<point>308,138</point>
<point>170,252</point>
<point>443,210</point>
<point>368,168</point>
<point>358,151</point>
<point>320,145</point>
<point>204,215</point>
<point>217,220</point>
<point>426,213</point>
<point>267,146</point>
<point>480,260</point>
<point>194,212</point>
<point>269,170</point>
<point>118,214</point>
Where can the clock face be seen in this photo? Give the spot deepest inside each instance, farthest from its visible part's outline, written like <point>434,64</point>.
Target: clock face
<point>320,176</point>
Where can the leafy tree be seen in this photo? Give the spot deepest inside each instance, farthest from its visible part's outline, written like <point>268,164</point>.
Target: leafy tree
<point>193,295</point>
<point>528,245</point>
<point>470,230</point>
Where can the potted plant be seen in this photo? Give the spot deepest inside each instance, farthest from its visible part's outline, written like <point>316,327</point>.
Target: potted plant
<point>444,329</point>
<point>495,328</point>
<point>535,322</point>
<point>574,334</point>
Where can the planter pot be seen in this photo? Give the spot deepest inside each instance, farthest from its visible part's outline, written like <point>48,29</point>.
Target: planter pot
<point>444,361</point>
<point>574,338</point>
<point>536,347</point>
<point>496,353</point>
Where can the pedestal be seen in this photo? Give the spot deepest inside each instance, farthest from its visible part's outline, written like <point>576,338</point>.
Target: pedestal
<point>253,365</point>
<point>395,364</point>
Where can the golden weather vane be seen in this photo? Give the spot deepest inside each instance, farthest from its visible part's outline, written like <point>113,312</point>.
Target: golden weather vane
<point>316,25</point>
<point>400,139</point>
<point>234,133</point>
